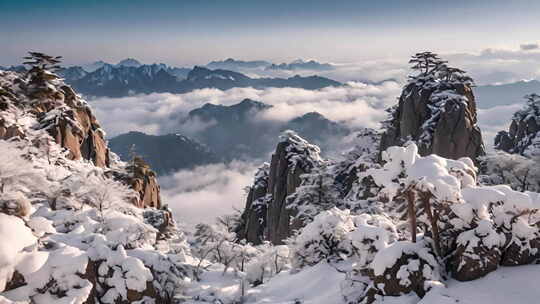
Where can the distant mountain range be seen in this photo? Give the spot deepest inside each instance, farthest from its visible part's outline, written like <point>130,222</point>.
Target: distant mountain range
<point>121,80</point>
<point>232,64</point>
<point>233,132</point>
<point>129,76</point>
<point>302,65</point>
<point>237,131</point>
<point>488,96</point>
<point>299,64</point>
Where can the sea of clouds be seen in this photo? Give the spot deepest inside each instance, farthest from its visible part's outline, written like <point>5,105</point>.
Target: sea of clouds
<point>355,104</point>
<point>201,194</point>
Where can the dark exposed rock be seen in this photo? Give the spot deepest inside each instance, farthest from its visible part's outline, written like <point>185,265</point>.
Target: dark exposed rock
<point>69,121</point>
<point>520,252</point>
<point>143,180</point>
<point>441,119</point>
<point>267,205</point>
<point>10,131</point>
<point>523,135</point>
<point>254,217</point>
<point>393,285</point>
<point>477,253</point>
<point>437,110</point>
<point>409,267</point>
<point>17,280</point>
<point>100,286</point>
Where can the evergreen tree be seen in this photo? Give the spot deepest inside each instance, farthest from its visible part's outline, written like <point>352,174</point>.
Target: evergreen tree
<point>425,62</point>
<point>42,61</point>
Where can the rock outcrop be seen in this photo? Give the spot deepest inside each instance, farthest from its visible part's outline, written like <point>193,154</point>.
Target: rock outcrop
<point>143,180</point>
<point>69,121</point>
<point>437,110</point>
<point>70,227</point>
<point>267,216</point>
<point>254,217</point>
<point>523,136</point>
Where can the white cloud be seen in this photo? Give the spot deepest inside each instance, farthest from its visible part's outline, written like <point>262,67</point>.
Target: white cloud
<point>202,194</point>
<point>492,66</point>
<point>357,104</point>
<point>371,71</point>
<point>495,119</point>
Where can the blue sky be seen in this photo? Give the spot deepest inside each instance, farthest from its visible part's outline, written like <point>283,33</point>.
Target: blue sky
<point>194,32</point>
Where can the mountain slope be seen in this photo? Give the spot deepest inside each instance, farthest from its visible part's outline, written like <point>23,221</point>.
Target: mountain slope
<point>505,94</point>
<point>72,224</point>
<point>121,81</point>
<point>235,65</point>
<point>164,153</point>
<point>117,81</point>
<point>302,65</point>
<point>238,132</point>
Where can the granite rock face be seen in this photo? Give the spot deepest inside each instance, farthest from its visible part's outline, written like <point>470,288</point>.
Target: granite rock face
<point>436,110</point>
<point>267,216</point>
<point>64,115</point>
<point>254,217</point>
<point>523,136</point>
<point>78,130</point>
<point>442,119</point>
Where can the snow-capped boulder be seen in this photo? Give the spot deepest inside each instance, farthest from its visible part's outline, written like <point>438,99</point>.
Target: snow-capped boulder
<point>478,252</point>
<point>15,203</point>
<point>437,110</point>
<point>405,267</point>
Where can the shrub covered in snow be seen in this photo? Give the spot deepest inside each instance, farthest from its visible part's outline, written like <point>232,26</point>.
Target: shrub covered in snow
<point>522,173</point>
<point>337,235</point>
<point>267,262</point>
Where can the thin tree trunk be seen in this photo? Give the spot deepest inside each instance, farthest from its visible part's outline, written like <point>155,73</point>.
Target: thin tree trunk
<point>433,220</point>
<point>412,213</point>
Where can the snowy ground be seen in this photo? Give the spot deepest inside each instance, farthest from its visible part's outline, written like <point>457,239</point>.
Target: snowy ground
<point>320,284</point>
<point>314,285</point>
<point>507,285</point>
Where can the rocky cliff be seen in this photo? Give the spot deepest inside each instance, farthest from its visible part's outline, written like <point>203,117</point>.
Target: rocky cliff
<point>267,216</point>
<point>523,136</point>
<point>437,110</point>
<point>70,227</point>
<point>41,97</point>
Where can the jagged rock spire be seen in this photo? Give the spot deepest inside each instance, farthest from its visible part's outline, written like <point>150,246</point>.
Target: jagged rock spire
<point>437,110</point>
<point>267,216</point>
<point>523,137</point>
